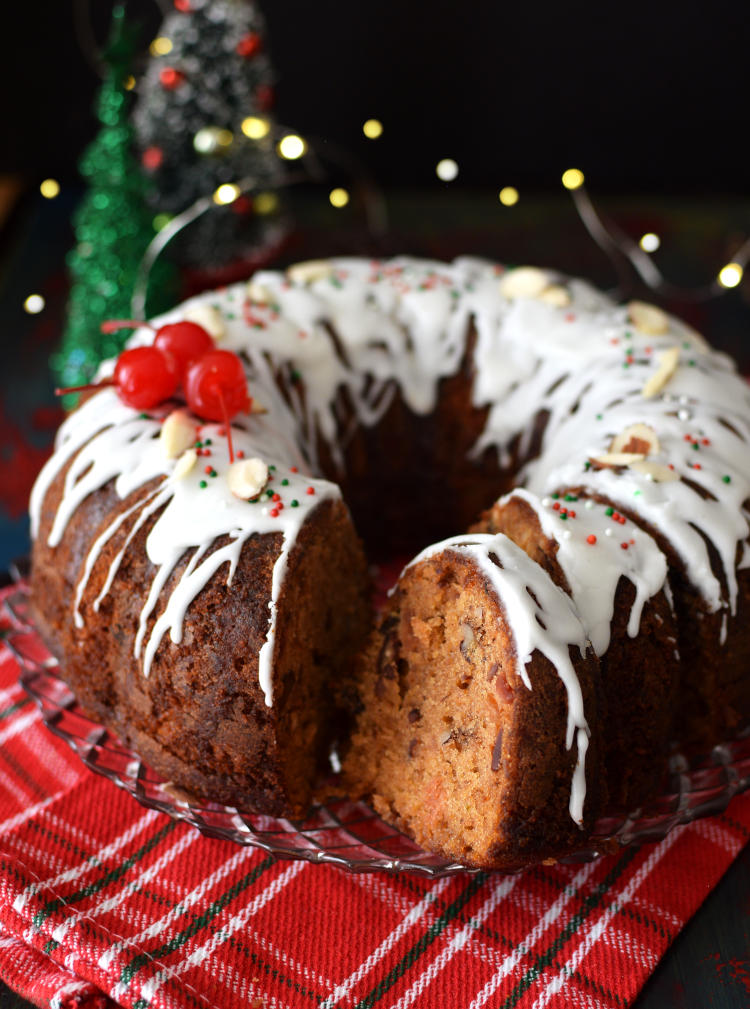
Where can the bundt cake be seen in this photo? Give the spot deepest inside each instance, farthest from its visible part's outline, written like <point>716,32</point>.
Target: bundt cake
<point>523,675</point>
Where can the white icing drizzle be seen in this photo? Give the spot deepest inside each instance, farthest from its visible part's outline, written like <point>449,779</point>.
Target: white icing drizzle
<point>402,325</point>
<point>545,622</point>
<point>192,516</point>
<point>593,561</point>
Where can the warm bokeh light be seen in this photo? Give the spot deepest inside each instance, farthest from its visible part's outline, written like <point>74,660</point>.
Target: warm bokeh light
<point>447,169</point>
<point>730,275</point>
<point>129,82</point>
<point>210,139</point>
<point>573,178</point>
<point>226,193</point>
<point>265,203</point>
<point>291,147</point>
<point>650,242</point>
<point>50,188</point>
<point>160,46</point>
<point>34,304</point>
<point>372,129</point>
<point>339,197</point>
<point>255,127</point>
<point>508,196</point>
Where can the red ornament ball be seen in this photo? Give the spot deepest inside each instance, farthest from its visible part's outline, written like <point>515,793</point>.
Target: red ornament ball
<point>216,387</point>
<point>171,78</point>
<point>265,97</point>
<point>249,45</point>
<point>145,377</point>
<point>152,158</point>
<point>185,342</point>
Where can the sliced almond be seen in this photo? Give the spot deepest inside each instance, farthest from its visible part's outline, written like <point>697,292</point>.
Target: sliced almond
<point>178,432</point>
<point>555,295</point>
<point>648,318</point>
<point>209,317</point>
<point>618,458</point>
<point>637,438</point>
<point>523,282</point>
<point>185,463</point>
<point>655,471</point>
<point>668,361</point>
<point>259,293</point>
<point>309,271</point>
<point>247,477</point>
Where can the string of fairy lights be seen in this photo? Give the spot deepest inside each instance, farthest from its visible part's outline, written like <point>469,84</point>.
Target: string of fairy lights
<point>292,147</point>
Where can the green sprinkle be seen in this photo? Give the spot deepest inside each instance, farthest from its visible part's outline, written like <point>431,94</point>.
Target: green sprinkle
<point>203,484</point>
<point>144,416</point>
<point>455,294</point>
<point>555,496</point>
<point>285,482</point>
<point>199,444</point>
<point>691,364</point>
<point>686,345</point>
<point>213,473</point>
<point>695,446</point>
<point>294,503</point>
<point>586,466</point>
<point>269,493</point>
<point>231,315</point>
<point>626,364</point>
<point>636,493</point>
<point>296,375</point>
<point>208,442</point>
<point>563,516</point>
<point>727,479</point>
<point>570,497</point>
<point>609,511</point>
<point>599,416</point>
<point>628,335</point>
<point>271,466</point>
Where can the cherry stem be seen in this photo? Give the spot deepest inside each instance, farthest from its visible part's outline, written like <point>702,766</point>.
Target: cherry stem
<point>84,388</point>
<point>227,426</point>
<point>112,325</point>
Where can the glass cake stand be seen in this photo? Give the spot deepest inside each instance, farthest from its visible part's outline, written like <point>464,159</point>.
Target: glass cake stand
<point>340,831</point>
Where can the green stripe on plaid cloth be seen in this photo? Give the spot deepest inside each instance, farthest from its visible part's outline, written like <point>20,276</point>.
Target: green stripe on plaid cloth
<point>104,902</point>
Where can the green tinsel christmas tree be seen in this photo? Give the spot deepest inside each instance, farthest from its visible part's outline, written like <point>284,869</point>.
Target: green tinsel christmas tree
<point>113,227</point>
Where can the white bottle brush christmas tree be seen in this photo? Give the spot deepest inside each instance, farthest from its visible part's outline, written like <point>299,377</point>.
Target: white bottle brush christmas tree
<point>202,121</point>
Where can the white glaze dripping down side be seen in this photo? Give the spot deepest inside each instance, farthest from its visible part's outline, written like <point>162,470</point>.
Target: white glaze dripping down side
<point>513,578</point>
<point>116,443</point>
<point>596,548</point>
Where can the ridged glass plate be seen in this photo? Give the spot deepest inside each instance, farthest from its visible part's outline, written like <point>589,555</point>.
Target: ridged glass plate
<point>342,832</point>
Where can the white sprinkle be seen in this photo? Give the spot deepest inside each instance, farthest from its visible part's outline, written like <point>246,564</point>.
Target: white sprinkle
<point>607,532</point>
<point>589,504</point>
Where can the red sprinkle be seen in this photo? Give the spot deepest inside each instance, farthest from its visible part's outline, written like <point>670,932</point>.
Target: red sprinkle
<point>571,515</point>
<point>705,441</point>
<point>276,497</point>
<point>293,469</point>
<point>624,546</point>
<point>207,469</point>
<point>591,539</point>
<point>274,512</point>
<point>310,490</point>
<point>688,437</point>
<point>240,454</point>
<point>556,506</point>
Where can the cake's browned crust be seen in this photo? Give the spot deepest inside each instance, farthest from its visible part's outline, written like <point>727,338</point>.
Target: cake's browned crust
<point>640,676</point>
<point>200,717</point>
<point>450,744</point>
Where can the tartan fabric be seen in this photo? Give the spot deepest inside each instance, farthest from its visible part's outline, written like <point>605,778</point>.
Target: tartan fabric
<point>103,901</point>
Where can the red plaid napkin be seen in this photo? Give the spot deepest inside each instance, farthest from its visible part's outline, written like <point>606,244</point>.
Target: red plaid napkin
<point>103,901</point>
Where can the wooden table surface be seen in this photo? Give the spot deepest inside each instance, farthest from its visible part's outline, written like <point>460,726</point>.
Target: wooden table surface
<point>708,965</point>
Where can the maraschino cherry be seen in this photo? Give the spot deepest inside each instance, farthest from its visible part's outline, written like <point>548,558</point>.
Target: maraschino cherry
<point>216,389</point>
<point>185,341</point>
<point>143,377</point>
<point>183,353</point>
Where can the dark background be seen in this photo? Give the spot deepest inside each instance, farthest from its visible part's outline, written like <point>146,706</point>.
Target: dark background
<point>644,97</point>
